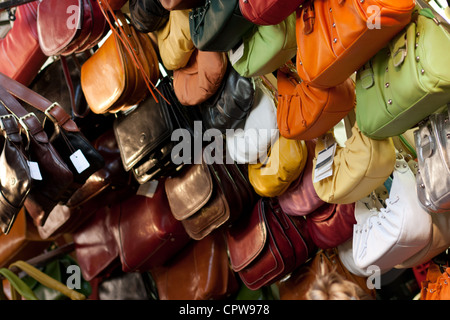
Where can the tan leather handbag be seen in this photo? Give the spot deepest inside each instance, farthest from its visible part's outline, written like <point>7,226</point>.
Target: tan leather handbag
<point>283,165</point>
<point>174,40</point>
<point>116,76</point>
<point>358,168</point>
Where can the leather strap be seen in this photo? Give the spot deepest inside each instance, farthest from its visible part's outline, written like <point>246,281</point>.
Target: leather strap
<point>54,111</point>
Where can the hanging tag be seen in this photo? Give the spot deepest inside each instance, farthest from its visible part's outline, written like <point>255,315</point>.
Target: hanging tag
<point>148,189</point>
<point>324,163</point>
<point>79,161</point>
<point>236,55</point>
<point>34,170</point>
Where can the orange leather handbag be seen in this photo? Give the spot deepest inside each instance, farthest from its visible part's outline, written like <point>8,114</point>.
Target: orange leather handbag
<point>336,38</point>
<point>305,112</point>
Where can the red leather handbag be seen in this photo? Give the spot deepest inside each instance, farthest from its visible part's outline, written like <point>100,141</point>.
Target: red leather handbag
<point>268,12</point>
<point>267,244</point>
<point>69,26</point>
<point>331,224</point>
<point>20,55</point>
<point>147,233</point>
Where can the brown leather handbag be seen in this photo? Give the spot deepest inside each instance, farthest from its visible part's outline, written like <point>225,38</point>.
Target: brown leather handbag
<point>336,38</point>
<point>201,271</point>
<point>118,75</point>
<point>305,112</point>
<point>201,78</point>
<point>267,244</point>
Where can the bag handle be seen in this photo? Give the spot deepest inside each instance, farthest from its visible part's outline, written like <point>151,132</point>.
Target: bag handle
<point>47,281</point>
<point>18,287</point>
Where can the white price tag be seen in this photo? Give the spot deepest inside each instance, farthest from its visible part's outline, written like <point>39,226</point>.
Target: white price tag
<point>148,189</point>
<point>324,163</point>
<point>34,170</point>
<point>79,161</point>
<point>237,54</point>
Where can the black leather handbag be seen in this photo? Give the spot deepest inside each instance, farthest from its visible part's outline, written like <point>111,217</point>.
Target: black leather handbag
<point>148,15</point>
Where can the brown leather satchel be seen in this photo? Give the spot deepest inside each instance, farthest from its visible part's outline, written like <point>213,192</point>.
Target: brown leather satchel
<point>201,271</point>
<point>120,73</point>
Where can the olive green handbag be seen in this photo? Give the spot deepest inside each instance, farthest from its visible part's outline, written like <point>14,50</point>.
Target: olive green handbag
<point>406,81</point>
<point>265,48</point>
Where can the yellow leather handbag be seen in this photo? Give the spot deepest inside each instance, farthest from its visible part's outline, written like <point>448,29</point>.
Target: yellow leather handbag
<point>283,165</point>
<point>174,40</point>
<point>359,167</point>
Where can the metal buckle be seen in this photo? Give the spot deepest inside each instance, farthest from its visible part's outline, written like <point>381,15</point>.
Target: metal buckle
<point>22,123</point>
<point>47,111</point>
<point>403,50</point>
<point>2,126</point>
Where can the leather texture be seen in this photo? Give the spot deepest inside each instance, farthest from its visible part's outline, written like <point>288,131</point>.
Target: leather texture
<point>395,108</point>
<point>117,4</point>
<point>433,151</point>
<point>284,164</point>
<point>201,271</point>
<point>148,16</point>
<point>20,53</point>
<point>147,233</point>
<point>359,167</point>
<point>435,286</point>
<point>268,12</point>
<point>266,245</point>
<point>231,104</point>
<point>217,25</point>
<point>181,4</point>
<point>305,112</point>
<point>174,40</point>
<point>335,39</point>
<point>301,198</point>
<point>119,84</point>
<point>384,237</point>
<point>267,48</point>
<point>201,78</point>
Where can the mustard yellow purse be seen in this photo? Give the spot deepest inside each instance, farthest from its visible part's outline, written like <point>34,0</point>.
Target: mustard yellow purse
<point>174,40</point>
<point>359,167</point>
<point>284,163</point>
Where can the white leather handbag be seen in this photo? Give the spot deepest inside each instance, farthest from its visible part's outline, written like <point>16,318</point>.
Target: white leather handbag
<point>251,143</point>
<point>388,236</point>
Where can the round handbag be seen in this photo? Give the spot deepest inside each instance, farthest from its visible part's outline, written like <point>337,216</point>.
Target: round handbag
<point>284,164</point>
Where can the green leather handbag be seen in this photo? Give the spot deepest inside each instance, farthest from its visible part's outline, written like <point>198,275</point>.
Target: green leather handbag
<point>406,81</point>
<point>266,48</point>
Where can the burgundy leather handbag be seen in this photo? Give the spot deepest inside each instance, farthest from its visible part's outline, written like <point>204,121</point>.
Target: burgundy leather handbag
<point>147,233</point>
<point>267,244</point>
<point>331,224</point>
<point>301,198</point>
<point>268,12</point>
<point>69,26</point>
<point>20,54</point>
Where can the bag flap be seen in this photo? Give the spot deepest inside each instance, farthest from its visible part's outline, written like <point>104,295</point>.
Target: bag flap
<point>141,131</point>
<point>189,191</point>
<point>247,238</point>
<point>323,213</point>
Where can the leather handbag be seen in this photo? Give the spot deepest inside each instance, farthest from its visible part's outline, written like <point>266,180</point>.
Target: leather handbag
<point>174,40</point>
<point>266,48</point>
<point>433,155</point>
<point>331,224</point>
<point>148,16</point>
<point>284,164</point>
<point>15,176</point>
<point>116,4</point>
<point>217,25</point>
<point>298,283</point>
<point>301,198</point>
<point>436,285</point>
<point>251,141</point>
<point>22,242</point>
<point>147,233</point>
<point>117,77</point>
<point>407,59</point>
<point>305,112</point>
<point>388,236</point>
<point>74,150</point>
<point>263,12</point>
<point>201,271</point>
<point>337,38</point>
<point>201,78</point>
<point>266,245</point>
<point>231,104</point>
<point>358,168</point>
<point>20,53</point>
<point>69,26</point>
<point>181,4</point>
